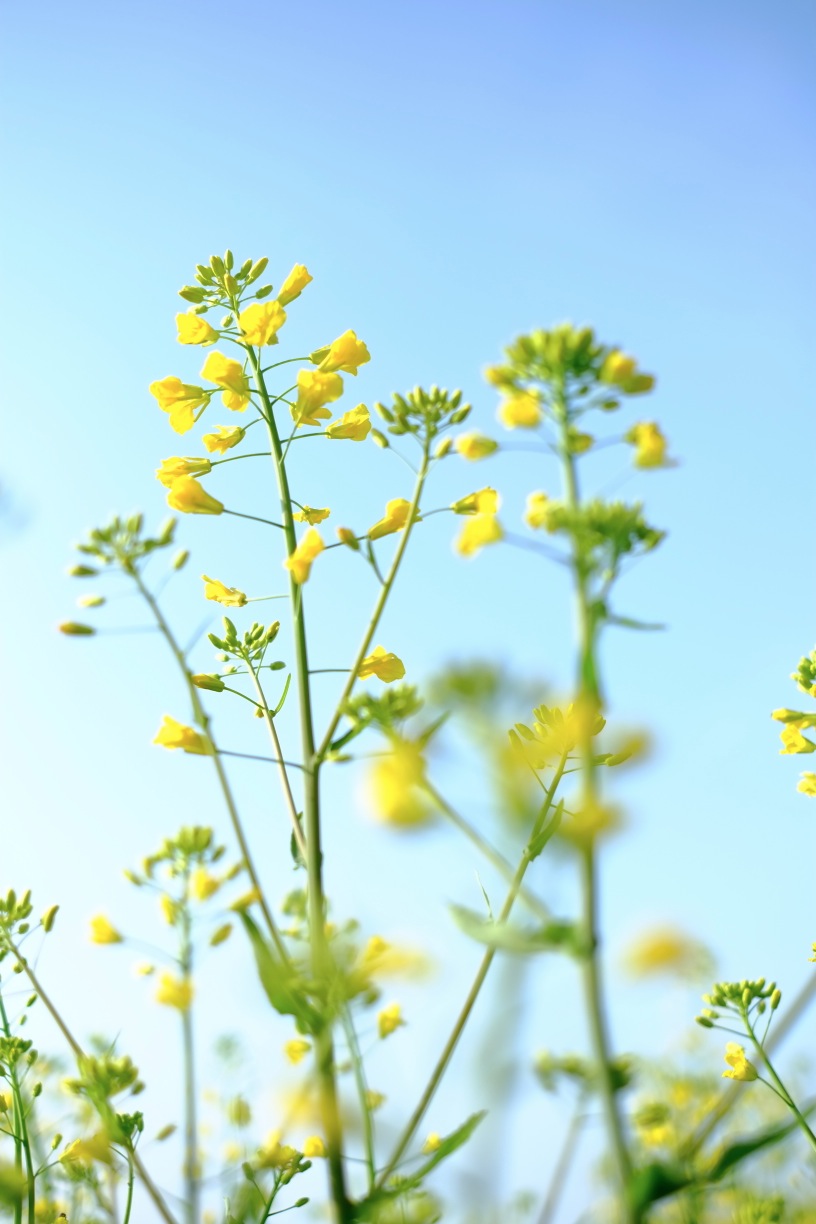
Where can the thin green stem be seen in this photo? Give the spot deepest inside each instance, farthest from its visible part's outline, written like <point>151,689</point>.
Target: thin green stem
<point>441,1066</point>
<point>129,1198</point>
<point>779,1086</point>
<point>22,1146</point>
<point>362,1094</point>
<point>191,1177</point>
<point>565,1158</point>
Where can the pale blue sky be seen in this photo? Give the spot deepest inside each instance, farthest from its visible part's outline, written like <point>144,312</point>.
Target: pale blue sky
<point>452,174</point>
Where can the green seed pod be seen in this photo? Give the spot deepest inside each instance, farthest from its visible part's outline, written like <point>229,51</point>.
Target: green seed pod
<point>703,1021</point>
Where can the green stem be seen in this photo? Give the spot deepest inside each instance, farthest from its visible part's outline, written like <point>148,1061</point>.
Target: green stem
<point>22,1146</point>
<point>467,1007</point>
<point>191,1178</point>
<point>589,699</point>
<point>323,1043</point>
<point>129,1199</point>
<point>362,1093</point>
<point>780,1087</point>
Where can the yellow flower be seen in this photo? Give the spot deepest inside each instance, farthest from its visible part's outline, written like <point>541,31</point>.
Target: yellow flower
<point>379,958</point>
<point>394,519</point>
<point>739,1068</point>
<point>181,401</point>
<point>484,501</point>
<point>665,950</point>
<point>293,286</point>
<point>300,562</point>
<point>474,446</point>
<point>230,597</point>
<point>395,782</point>
<point>650,445</point>
<point>6,1102</point>
<point>477,532</point>
<point>245,901</point>
<point>261,322</point>
<point>521,410</point>
<point>807,786</point>
<point>86,1151</point>
<point>296,1050</point>
<point>103,931</point>
<point>794,742</point>
<point>174,992</point>
<point>181,465</point>
<point>174,734</point>
<point>203,884</point>
<point>314,390</point>
<point>90,601</point>
<point>345,353</point>
<point>389,1019</point>
<point>620,370</point>
<point>538,510</point>
<point>230,377</point>
<point>310,515</point>
<point>224,438</point>
<point>433,1143</point>
<point>313,1146</point>
<point>374,1100</point>
<point>385,666</point>
<point>188,496</point>
<point>192,329</point>
<point>168,908</point>
<point>354,425</point>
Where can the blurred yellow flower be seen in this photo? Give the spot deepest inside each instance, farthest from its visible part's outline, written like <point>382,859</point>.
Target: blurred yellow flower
<point>181,465</point>
<point>296,1050</point>
<point>188,496</point>
<point>86,1151</point>
<point>169,909</point>
<point>621,370</point>
<point>203,884</point>
<point>479,531</point>
<point>521,410</point>
<point>474,446</point>
<point>261,322</point>
<point>192,329</point>
<point>379,958</point>
<point>389,1019</point>
<point>432,1143</point>
<point>538,510</point>
<point>230,377</point>
<point>103,931</point>
<point>484,501</point>
<point>295,283</point>
<point>794,742</point>
<point>374,1100</point>
<point>309,515</point>
<point>313,1146</point>
<point>174,734</point>
<point>300,562</point>
<point>394,786</point>
<point>807,785</point>
<point>224,438</point>
<point>382,664</point>
<point>346,353</point>
<point>181,401</point>
<point>354,424</point>
<point>315,389</point>
<point>650,445</point>
<point>174,992</point>
<point>665,950</point>
<point>739,1068</point>
<point>230,597</point>
<point>394,519</point>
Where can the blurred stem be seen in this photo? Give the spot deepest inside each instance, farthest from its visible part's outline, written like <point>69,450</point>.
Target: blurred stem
<point>565,1158</point>
<point>129,1198</point>
<point>779,1086</point>
<point>473,994</point>
<point>22,1146</point>
<point>191,1181</point>
<point>589,702</point>
<point>362,1093</point>
<point>320,955</point>
<point>79,1055</point>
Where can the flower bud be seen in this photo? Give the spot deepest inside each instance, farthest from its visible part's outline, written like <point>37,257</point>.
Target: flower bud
<point>228,260</point>
<point>379,439</point>
<point>72,629</point>
<point>180,559</point>
<point>217,265</point>
<point>257,270</point>
<point>443,447</point>
<point>346,536</point>
<point>264,291</point>
<point>776,999</point>
<point>191,293</point>
<point>230,284</point>
<point>82,571</point>
<point>48,918</point>
<point>214,683</point>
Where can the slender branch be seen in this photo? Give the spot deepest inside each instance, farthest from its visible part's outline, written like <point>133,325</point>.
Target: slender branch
<point>297,831</point>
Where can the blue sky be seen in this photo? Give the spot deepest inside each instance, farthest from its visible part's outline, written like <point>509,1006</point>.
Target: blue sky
<point>452,175</point>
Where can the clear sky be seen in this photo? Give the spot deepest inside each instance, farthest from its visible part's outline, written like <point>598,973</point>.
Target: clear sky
<point>452,174</point>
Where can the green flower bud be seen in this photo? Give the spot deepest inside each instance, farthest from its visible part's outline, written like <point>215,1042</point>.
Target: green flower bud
<point>228,260</point>
<point>257,270</point>
<point>230,283</point>
<point>776,999</point>
<point>72,629</point>
<point>217,265</point>
<point>191,293</point>
<point>82,571</point>
<point>214,683</point>
<point>379,439</point>
<point>264,291</point>
<point>49,917</point>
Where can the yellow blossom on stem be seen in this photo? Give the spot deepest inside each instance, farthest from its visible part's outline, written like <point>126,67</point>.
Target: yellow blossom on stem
<point>168,908</point>
<point>354,425</point>
<point>665,950</point>
<point>203,884</point>
<point>479,531</point>
<point>261,322</point>
<point>313,1146</point>
<point>230,377</point>
<point>621,370</point>
<point>188,496</point>
<point>394,786</point>
<point>296,1050</point>
<point>346,353</point>
<point>295,283</point>
<point>192,329</point>
<point>394,519</point>
<point>315,389</point>
<point>432,1143</point>
<point>300,562</point>
<point>230,597</point>
<point>181,465</point>
<point>103,931</point>
<point>539,507</point>
<point>521,410</point>
<point>474,446</point>
<point>650,445</point>
<point>739,1068</point>
<point>180,400</point>
<point>794,742</point>
<point>223,439</point>
<point>346,536</point>
<point>389,1019</point>
<point>86,1151</point>
<point>807,785</point>
<point>174,992</point>
<point>484,501</point>
<point>382,664</point>
<point>174,734</point>
<point>311,516</point>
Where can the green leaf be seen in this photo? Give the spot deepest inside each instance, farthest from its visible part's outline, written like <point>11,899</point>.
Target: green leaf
<point>656,1181</point>
<point>737,1152</point>
<point>538,842</point>
<point>505,937</point>
<point>368,1208</point>
<point>282,985</point>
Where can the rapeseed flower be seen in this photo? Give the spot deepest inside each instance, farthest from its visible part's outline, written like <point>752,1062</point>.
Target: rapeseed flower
<point>230,377</point>
<point>230,597</point>
<point>181,465</point>
<point>739,1068</point>
<point>394,786</point>
<point>314,1146</point>
<point>382,664</point>
<point>188,496</point>
<point>180,400</point>
<point>389,1019</point>
<point>794,742</point>
<point>224,438</point>
<point>103,931</point>
<point>296,1050</point>
<point>394,519</point>
<point>539,510</point>
<point>521,410</point>
<point>307,514</point>
<point>174,992</point>
<point>650,445</point>
<point>474,446</point>
<point>300,562</point>
<point>346,353</point>
<point>354,425</point>
<point>261,322</point>
<point>174,734</point>
<point>479,530</point>
<point>807,785</point>
<point>192,329</point>
<point>315,389</point>
<point>203,884</point>
<point>295,283</point>
<point>483,501</point>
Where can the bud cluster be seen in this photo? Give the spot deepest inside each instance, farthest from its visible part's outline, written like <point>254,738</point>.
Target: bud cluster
<point>742,998</point>
<point>251,646</point>
<point>221,284</point>
<point>426,414</point>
